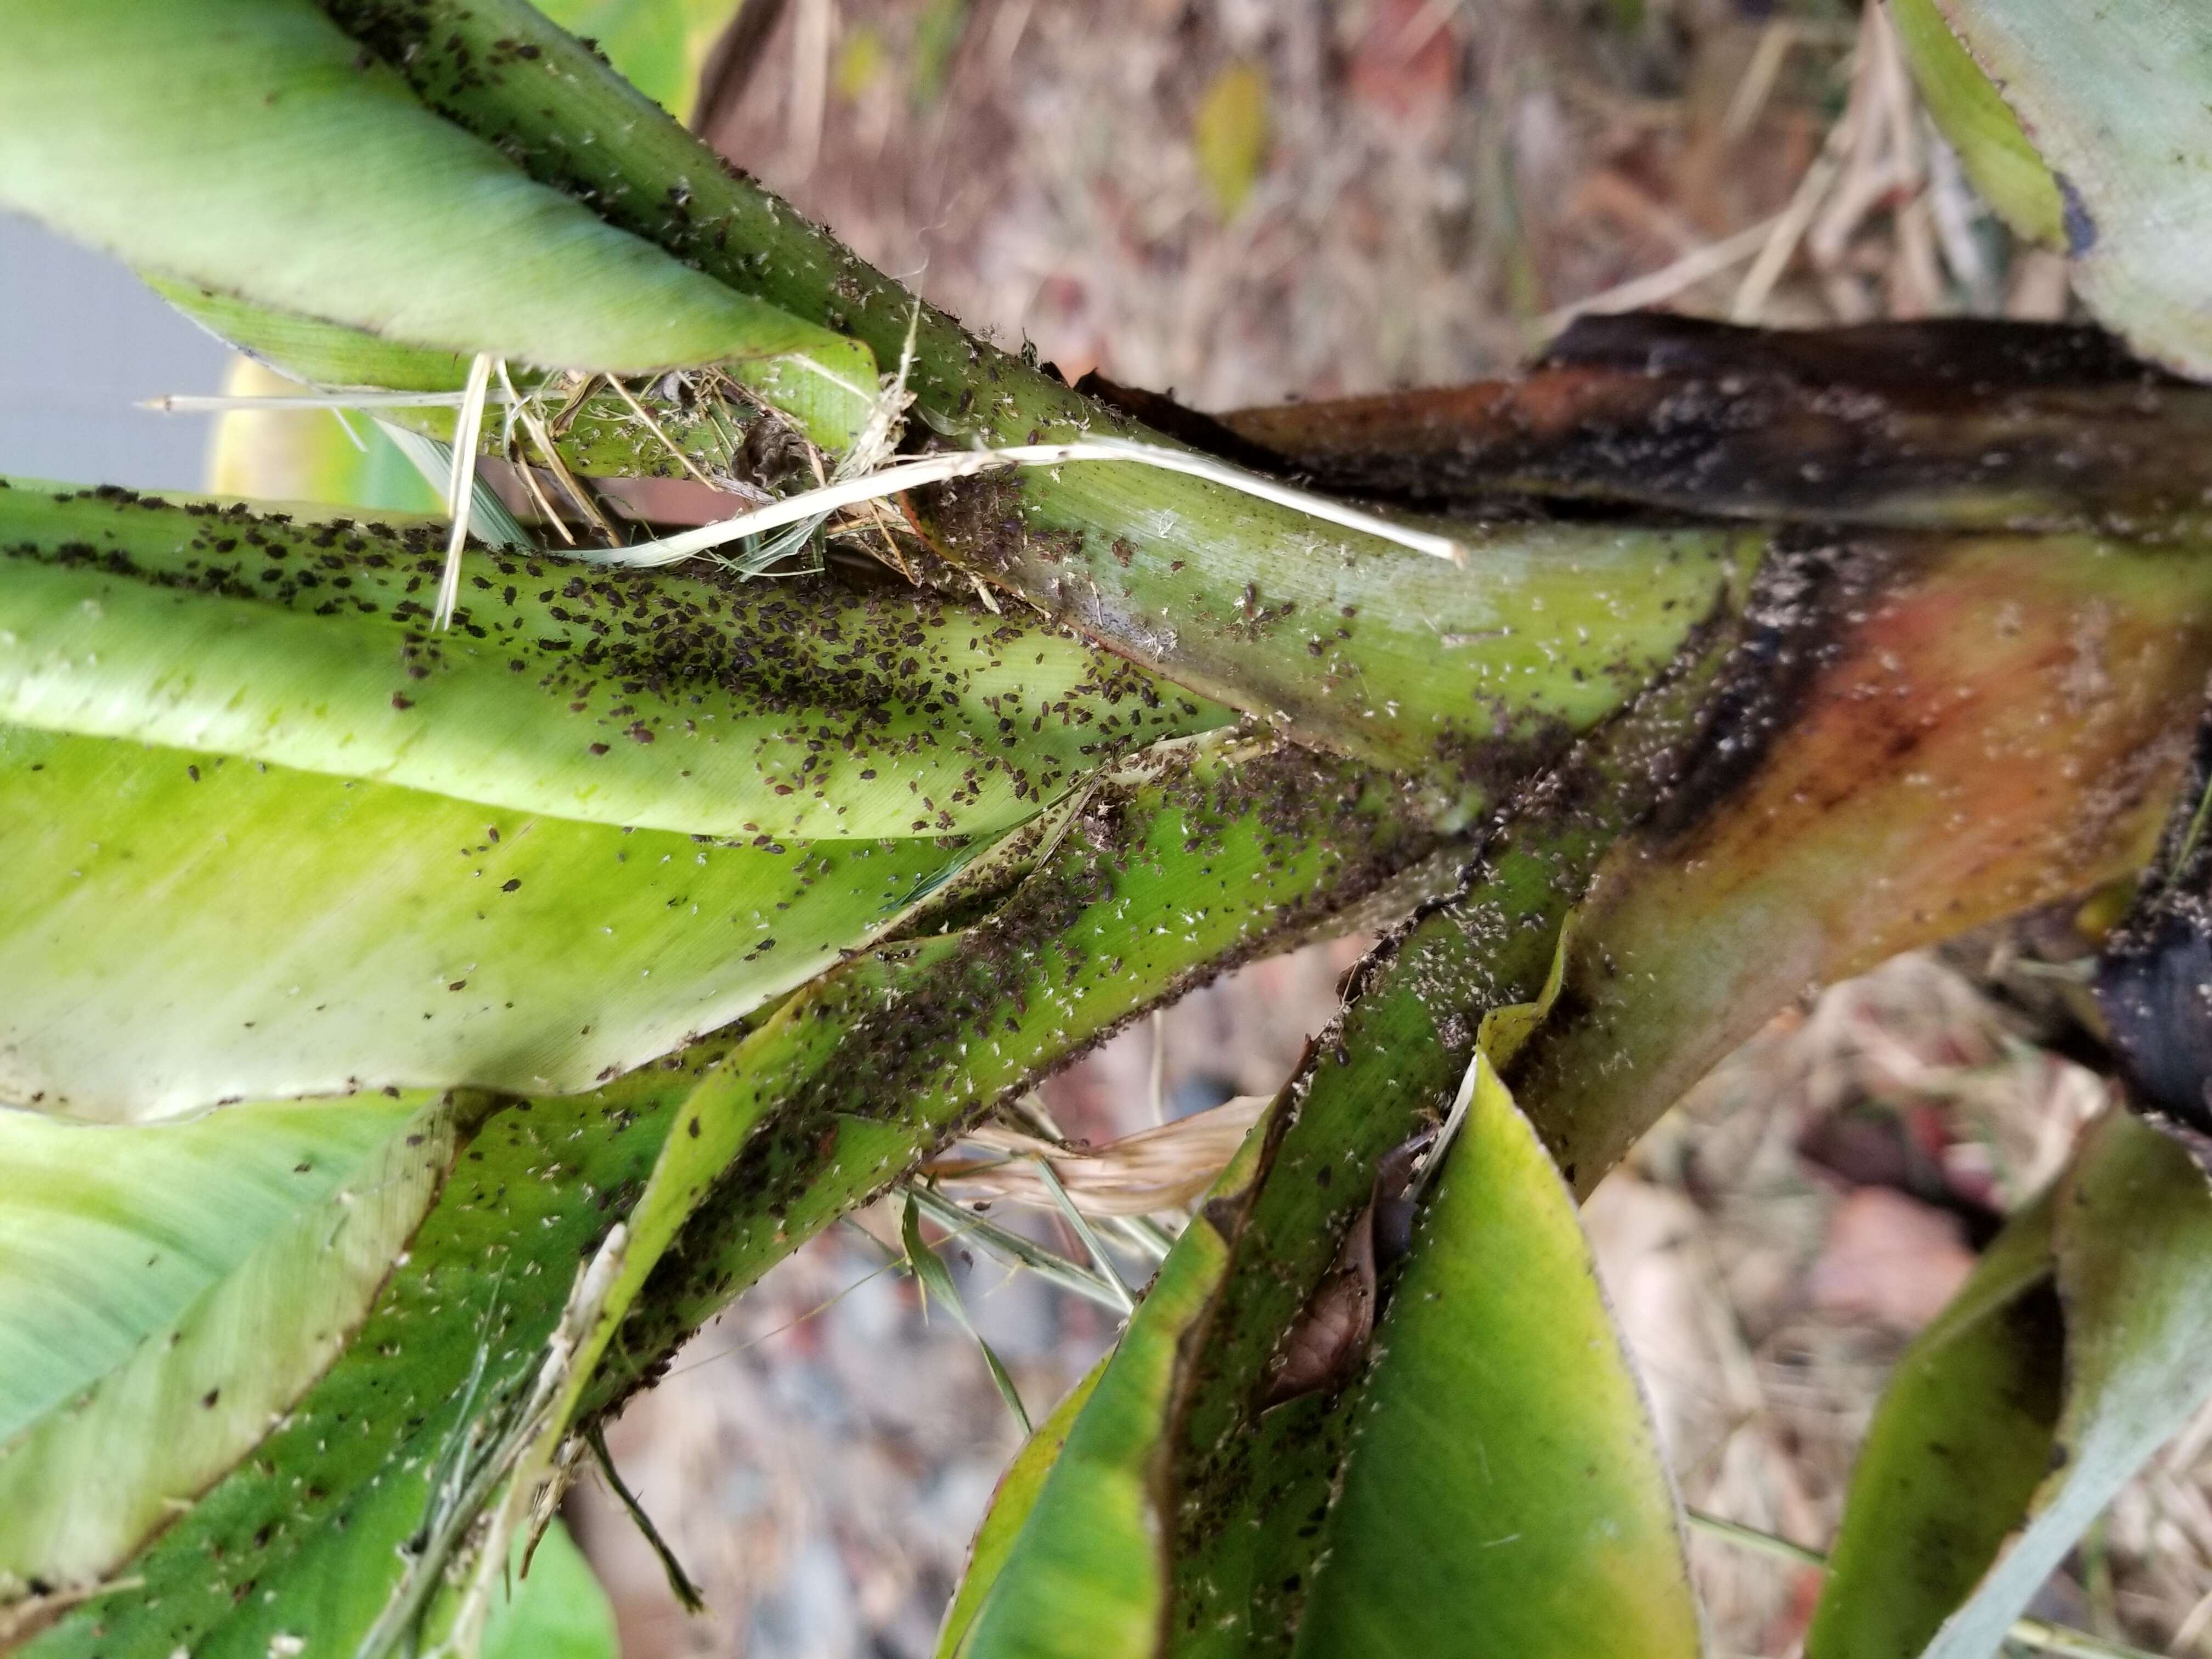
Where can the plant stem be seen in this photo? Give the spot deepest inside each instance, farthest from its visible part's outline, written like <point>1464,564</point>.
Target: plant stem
<point>878,1063</point>
<point>1328,633</point>
<point>1386,1069</point>
<point>680,1583</point>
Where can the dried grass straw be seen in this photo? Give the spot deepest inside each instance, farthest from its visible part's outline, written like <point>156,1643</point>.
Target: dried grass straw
<point>961,464</point>
<point>1167,1168</point>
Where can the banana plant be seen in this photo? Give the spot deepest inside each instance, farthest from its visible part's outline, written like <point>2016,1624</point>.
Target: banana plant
<point>446,957</point>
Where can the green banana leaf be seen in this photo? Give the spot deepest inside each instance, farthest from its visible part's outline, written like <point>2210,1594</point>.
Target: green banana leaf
<point>1472,679</point>
<point>1255,1463</point>
<point>1475,678</point>
<point>178,930</point>
<point>2132,1237</point>
<point>600,436</point>
<point>491,1270</point>
<point>155,1381</point>
<point>1503,1494</point>
<point>660,47</point>
<point>1201,858</point>
<point>349,1494</point>
<point>2117,99</point>
<point>249,146</point>
<point>1017,1495</point>
<point>106,1234</point>
<point>554,1611</point>
<point>1082,1580</point>
<point>313,350</point>
<point>1083,1577</point>
<point>762,710</point>
<point>1296,820</point>
<point>1960,1442</point>
<point>1247,1478</point>
<point>2082,1344</point>
<point>1997,156</point>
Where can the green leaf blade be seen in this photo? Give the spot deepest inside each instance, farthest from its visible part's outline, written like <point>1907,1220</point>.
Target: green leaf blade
<point>2116,98</point>
<point>305,1539</point>
<point>835,1096</point>
<point>1195,856</point>
<point>1017,1495</point>
<point>83,1486</point>
<point>555,1611</point>
<point>2133,1238</point>
<point>169,940</point>
<point>1503,1493</point>
<point>105,1235</point>
<point>1332,635</point>
<point>1974,116</point>
<point>1253,1475</point>
<point>1083,1578</point>
<point>642,699</point>
<point>1957,1445</point>
<point>203,145</point>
